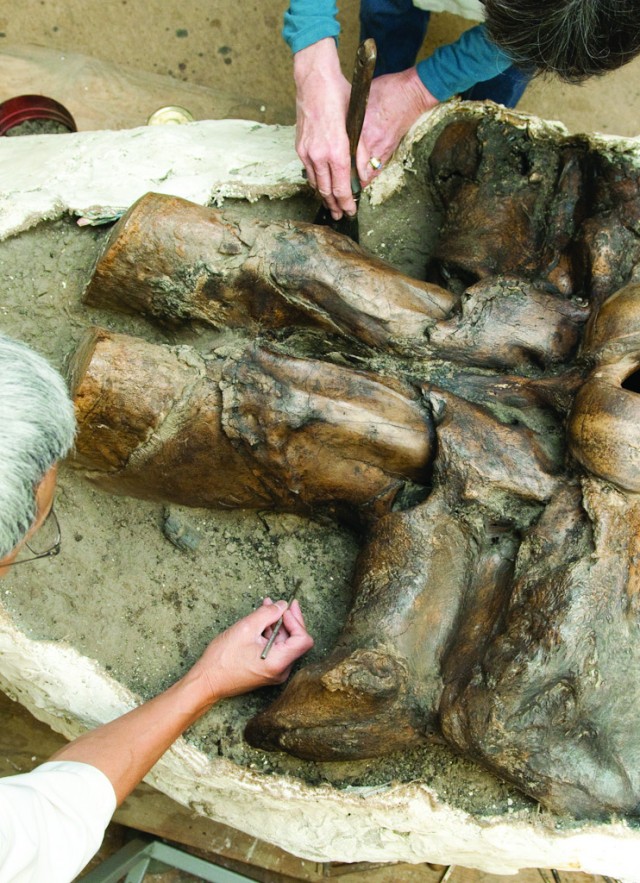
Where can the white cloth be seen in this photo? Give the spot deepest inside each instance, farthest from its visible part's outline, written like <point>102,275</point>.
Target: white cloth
<point>471,9</point>
<point>52,821</point>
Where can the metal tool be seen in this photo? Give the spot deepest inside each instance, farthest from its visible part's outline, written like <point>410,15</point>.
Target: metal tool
<point>278,625</point>
<point>360,87</point>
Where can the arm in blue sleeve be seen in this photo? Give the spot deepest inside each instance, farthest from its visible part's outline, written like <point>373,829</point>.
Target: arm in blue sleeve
<point>472,59</point>
<point>307,21</point>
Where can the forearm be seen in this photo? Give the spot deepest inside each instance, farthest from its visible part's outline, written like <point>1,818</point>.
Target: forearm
<point>127,748</point>
<point>472,59</point>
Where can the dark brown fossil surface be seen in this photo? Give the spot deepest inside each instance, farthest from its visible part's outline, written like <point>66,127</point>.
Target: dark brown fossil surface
<point>257,430</point>
<point>481,426</point>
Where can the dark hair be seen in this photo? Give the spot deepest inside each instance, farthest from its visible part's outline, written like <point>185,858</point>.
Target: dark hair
<point>574,39</point>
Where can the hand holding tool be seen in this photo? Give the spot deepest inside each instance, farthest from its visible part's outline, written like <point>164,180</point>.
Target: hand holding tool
<point>278,624</point>
<point>360,87</point>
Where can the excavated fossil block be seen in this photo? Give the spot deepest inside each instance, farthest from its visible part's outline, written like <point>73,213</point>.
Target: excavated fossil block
<point>449,635</point>
<point>298,434</point>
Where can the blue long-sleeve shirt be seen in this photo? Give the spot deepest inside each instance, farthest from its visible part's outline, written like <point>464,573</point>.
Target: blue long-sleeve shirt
<point>452,69</point>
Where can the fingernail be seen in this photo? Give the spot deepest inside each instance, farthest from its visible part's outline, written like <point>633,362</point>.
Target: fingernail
<point>281,604</point>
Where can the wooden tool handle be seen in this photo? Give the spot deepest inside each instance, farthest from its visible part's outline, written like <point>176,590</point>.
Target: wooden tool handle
<point>360,86</point>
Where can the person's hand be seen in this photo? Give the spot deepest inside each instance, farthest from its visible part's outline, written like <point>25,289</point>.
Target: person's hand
<point>126,748</point>
<point>395,103</point>
<point>322,98</point>
<point>231,664</point>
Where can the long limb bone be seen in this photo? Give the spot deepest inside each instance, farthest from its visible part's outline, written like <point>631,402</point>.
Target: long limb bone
<point>174,260</point>
<point>258,430</point>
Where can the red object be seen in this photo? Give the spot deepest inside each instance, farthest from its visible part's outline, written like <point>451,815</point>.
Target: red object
<point>24,108</point>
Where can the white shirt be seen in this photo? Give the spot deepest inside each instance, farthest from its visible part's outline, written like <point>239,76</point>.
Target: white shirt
<point>52,821</point>
<point>472,9</point>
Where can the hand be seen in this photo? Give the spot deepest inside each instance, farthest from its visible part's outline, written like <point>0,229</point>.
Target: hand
<point>322,98</point>
<point>126,748</point>
<point>395,103</point>
<point>231,664</point>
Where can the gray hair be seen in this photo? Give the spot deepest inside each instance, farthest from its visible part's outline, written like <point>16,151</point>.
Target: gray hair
<point>37,426</point>
<point>574,39</point>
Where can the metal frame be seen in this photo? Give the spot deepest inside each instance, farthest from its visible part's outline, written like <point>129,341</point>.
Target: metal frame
<point>134,860</point>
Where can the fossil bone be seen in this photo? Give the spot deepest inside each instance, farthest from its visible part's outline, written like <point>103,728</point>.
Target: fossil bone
<point>495,600</point>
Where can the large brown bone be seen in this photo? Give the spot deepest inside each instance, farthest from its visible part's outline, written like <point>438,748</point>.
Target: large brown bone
<point>509,323</point>
<point>552,702</point>
<point>257,430</point>
<point>173,260</point>
<point>416,622</point>
<point>501,466</point>
<point>604,423</point>
<point>507,208</point>
<point>381,684</point>
<point>613,331</point>
<point>429,586</point>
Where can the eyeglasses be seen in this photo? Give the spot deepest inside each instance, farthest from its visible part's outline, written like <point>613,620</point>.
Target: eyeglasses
<point>48,538</point>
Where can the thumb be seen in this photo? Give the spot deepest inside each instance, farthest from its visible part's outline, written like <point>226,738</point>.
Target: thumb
<point>267,614</point>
